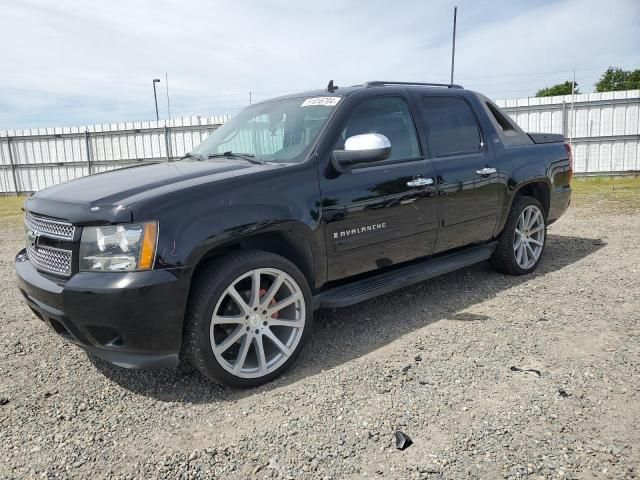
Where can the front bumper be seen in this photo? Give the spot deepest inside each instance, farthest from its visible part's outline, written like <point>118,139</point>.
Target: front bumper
<point>131,319</point>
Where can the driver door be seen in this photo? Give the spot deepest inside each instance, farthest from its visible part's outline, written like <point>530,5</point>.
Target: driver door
<point>380,214</point>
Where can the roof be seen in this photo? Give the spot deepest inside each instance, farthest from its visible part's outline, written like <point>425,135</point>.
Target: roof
<point>345,91</point>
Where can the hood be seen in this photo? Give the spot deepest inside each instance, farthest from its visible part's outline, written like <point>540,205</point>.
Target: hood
<point>106,196</point>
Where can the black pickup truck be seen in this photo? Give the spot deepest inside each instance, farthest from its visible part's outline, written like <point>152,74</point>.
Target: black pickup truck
<point>319,199</point>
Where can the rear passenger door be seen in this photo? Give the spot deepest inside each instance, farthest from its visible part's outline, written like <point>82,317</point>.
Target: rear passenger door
<point>466,171</point>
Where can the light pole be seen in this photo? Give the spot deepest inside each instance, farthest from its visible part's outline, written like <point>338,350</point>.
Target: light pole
<point>155,97</point>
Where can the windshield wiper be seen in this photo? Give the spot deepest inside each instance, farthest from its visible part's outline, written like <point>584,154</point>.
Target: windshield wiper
<point>197,156</point>
<point>250,157</point>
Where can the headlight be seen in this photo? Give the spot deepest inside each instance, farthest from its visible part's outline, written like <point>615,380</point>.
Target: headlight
<point>118,248</point>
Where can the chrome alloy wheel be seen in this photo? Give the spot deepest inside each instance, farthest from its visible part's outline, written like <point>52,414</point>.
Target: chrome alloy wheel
<point>528,238</point>
<point>257,322</point>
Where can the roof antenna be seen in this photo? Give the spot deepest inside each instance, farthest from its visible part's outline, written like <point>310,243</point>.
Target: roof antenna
<point>331,87</point>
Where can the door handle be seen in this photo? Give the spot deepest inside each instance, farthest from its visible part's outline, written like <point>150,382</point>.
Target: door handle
<point>486,171</point>
<point>420,182</point>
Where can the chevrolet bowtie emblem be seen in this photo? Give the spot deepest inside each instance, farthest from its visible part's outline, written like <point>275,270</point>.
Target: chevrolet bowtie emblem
<point>32,238</point>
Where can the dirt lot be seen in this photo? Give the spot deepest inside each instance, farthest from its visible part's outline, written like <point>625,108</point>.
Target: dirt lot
<point>434,360</point>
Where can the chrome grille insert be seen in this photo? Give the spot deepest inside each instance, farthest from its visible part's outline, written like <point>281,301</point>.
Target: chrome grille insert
<point>50,227</point>
<point>49,259</point>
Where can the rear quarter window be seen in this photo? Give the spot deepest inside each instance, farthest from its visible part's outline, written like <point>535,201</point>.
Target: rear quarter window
<point>507,129</point>
<point>503,121</point>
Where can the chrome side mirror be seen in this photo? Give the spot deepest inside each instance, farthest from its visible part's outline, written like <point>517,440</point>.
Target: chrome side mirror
<point>361,149</point>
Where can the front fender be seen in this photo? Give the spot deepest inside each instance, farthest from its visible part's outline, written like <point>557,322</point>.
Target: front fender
<point>193,221</point>
<point>189,240</point>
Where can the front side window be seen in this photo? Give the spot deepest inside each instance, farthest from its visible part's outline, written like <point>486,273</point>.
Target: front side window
<point>453,129</point>
<point>389,116</point>
<point>280,131</point>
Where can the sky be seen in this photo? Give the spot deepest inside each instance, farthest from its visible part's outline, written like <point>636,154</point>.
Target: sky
<point>78,62</point>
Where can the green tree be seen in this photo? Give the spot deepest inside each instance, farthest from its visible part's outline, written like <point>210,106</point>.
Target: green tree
<point>615,78</point>
<point>563,88</point>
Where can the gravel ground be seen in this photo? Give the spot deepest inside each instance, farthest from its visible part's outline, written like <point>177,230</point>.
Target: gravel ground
<point>434,360</point>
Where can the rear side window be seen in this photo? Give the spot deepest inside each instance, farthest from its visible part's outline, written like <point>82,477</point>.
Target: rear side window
<point>453,129</point>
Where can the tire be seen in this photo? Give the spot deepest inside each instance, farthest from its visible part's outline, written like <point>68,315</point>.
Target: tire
<point>519,254</point>
<point>241,334</point>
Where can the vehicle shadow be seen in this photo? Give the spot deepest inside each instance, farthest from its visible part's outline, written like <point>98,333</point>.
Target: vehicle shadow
<point>341,335</point>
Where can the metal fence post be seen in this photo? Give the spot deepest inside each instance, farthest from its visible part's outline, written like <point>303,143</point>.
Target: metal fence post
<point>167,143</point>
<point>88,148</point>
<point>13,168</point>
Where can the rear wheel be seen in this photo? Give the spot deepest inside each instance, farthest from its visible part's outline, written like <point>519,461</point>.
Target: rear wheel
<point>248,318</point>
<point>522,241</point>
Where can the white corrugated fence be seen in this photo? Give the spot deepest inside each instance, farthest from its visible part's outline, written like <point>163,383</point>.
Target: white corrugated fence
<point>32,159</point>
<point>604,129</point>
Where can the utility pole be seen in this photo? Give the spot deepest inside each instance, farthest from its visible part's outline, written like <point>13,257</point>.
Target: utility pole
<point>573,97</point>
<point>249,97</point>
<point>13,167</point>
<point>453,48</point>
<point>167,135</point>
<point>155,96</point>
<point>166,84</point>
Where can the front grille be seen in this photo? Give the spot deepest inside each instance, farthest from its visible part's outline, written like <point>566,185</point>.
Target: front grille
<point>49,259</point>
<point>50,227</point>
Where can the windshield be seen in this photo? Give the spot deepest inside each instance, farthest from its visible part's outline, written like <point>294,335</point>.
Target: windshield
<point>278,131</point>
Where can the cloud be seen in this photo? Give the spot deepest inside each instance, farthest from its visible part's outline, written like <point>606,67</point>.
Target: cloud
<point>76,62</point>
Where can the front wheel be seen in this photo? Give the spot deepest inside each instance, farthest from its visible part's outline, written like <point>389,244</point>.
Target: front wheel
<point>248,317</point>
<point>523,239</point>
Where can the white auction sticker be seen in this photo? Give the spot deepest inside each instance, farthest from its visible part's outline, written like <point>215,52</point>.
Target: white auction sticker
<point>327,101</point>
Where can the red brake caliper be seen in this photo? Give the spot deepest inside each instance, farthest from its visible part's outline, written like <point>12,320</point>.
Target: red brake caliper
<point>263,292</point>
